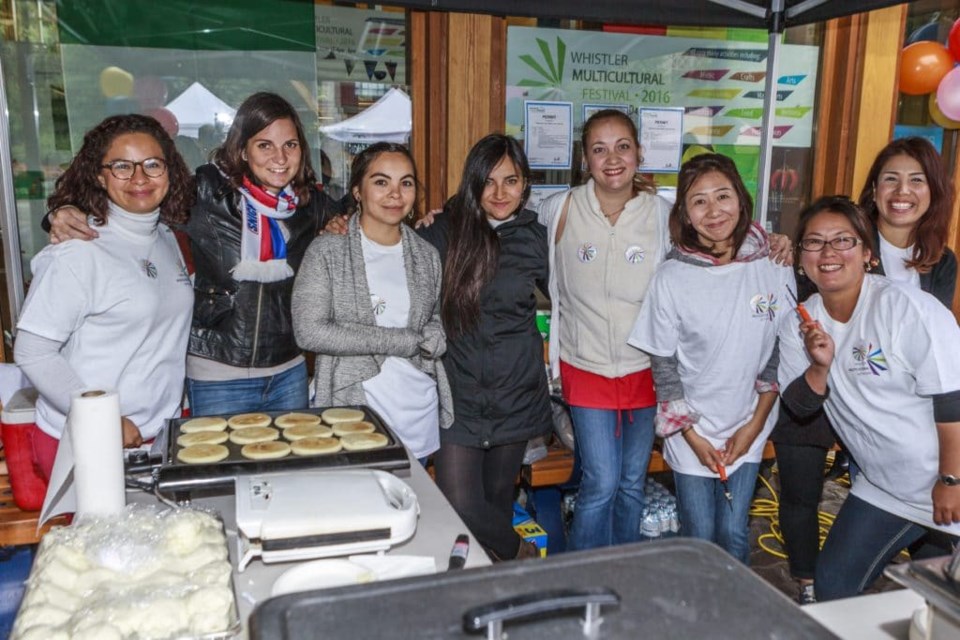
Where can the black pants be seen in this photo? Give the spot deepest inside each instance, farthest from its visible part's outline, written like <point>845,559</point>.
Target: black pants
<point>801,483</point>
<point>479,483</point>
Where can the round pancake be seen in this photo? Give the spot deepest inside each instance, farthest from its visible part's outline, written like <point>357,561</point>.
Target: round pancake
<point>288,420</point>
<point>207,423</point>
<point>301,431</point>
<point>250,435</point>
<point>315,446</point>
<point>244,420</point>
<point>202,437</point>
<point>337,415</point>
<point>265,450</point>
<point>346,428</point>
<point>361,441</point>
<point>202,453</point>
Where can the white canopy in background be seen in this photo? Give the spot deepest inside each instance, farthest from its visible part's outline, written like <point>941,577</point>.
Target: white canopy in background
<point>389,119</point>
<point>197,106</point>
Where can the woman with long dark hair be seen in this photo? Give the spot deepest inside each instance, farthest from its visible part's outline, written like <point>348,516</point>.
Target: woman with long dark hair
<point>113,313</point>
<point>494,256</point>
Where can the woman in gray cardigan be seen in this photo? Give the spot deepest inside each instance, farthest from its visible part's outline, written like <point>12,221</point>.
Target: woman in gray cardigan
<point>368,304</point>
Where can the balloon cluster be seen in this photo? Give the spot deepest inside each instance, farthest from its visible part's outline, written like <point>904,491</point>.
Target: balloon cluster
<point>146,95</point>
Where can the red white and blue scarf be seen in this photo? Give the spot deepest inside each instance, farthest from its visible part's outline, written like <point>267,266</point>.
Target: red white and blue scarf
<point>263,244</point>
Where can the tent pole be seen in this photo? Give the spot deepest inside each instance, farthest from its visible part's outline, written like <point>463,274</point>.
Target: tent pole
<point>769,110</point>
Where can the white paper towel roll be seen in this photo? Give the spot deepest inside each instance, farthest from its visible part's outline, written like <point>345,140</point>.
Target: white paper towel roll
<point>94,424</point>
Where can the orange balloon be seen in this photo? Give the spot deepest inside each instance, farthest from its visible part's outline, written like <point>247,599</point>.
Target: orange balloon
<point>937,116</point>
<point>922,67</point>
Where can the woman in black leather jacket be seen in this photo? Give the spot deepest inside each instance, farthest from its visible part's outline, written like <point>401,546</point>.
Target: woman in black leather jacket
<point>257,209</point>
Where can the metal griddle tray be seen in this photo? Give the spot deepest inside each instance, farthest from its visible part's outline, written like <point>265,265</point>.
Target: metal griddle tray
<point>176,476</point>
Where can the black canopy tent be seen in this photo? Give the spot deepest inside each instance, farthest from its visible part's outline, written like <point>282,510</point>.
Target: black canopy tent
<point>772,15</point>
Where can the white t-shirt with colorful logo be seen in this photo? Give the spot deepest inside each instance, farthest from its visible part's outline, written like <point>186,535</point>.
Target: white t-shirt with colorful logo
<point>899,347</point>
<point>722,324</point>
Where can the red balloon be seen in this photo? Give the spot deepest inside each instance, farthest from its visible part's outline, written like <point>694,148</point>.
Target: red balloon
<point>922,67</point>
<point>166,119</point>
<point>953,40</point>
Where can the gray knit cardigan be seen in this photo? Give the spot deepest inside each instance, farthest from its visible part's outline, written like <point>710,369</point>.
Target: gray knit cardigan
<point>333,317</point>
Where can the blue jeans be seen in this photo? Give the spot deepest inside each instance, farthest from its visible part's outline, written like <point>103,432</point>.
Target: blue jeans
<point>861,542</point>
<point>706,513</point>
<point>610,501</point>
<point>285,391</point>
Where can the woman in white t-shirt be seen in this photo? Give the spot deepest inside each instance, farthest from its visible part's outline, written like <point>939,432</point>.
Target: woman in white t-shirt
<point>112,313</point>
<point>368,304</point>
<point>883,358</point>
<point>709,322</point>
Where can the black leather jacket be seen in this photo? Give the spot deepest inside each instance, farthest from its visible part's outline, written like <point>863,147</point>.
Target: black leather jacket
<point>243,324</point>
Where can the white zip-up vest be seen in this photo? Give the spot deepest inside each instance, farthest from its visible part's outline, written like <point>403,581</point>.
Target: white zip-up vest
<point>603,274</point>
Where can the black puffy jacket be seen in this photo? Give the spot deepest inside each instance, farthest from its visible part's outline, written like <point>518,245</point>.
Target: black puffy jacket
<point>242,324</point>
<point>496,371</point>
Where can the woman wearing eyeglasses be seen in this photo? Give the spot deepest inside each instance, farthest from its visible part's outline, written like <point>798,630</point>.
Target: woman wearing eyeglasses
<point>908,197</point>
<point>883,359</point>
<point>113,313</point>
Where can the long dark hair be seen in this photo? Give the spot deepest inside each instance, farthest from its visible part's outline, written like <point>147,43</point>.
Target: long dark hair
<point>682,233</point>
<point>640,183</point>
<point>361,164</point>
<point>78,186</point>
<point>474,250</point>
<point>257,113</point>
<point>929,236</point>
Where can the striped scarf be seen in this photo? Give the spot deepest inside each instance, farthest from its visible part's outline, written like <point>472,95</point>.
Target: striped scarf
<point>263,243</point>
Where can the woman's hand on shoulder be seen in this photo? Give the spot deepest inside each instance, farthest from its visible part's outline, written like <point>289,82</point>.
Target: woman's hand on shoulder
<point>69,223</point>
<point>337,225</point>
<point>428,218</point>
<point>781,249</point>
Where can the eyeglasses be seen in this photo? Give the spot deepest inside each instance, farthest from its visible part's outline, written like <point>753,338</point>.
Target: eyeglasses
<point>124,169</point>
<point>841,243</point>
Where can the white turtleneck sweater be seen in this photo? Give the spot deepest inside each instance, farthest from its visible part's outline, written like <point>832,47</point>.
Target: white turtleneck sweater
<point>111,313</point>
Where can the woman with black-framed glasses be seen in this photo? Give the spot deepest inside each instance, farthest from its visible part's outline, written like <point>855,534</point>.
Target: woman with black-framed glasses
<point>112,313</point>
<point>883,359</point>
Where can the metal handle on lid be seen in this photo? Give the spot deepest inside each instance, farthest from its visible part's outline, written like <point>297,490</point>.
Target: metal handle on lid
<point>492,616</point>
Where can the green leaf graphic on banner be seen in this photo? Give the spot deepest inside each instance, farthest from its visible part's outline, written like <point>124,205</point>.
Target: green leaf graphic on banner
<point>745,112</point>
<point>554,77</point>
<point>793,112</point>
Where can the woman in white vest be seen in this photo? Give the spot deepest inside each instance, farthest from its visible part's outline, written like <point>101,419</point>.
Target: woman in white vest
<point>606,239</point>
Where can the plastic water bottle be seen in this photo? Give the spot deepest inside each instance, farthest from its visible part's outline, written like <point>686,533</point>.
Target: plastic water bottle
<point>650,526</point>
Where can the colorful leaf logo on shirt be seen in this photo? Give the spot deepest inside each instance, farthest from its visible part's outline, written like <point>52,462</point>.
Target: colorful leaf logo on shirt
<point>587,252</point>
<point>873,358</point>
<point>634,254</point>
<point>149,268</point>
<point>765,305</point>
<point>379,304</point>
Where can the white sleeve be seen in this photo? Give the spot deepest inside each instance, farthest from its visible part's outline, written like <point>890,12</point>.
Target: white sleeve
<point>59,298</point>
<point>927,340</point>
<point>793,355</point>
<point>657,327</point>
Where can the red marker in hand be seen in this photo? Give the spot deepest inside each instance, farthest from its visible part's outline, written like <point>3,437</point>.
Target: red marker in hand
<point>801,310</point>
<point>722,472</point>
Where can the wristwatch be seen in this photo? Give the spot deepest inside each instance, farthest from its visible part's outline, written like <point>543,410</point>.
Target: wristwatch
<point>949,480</point>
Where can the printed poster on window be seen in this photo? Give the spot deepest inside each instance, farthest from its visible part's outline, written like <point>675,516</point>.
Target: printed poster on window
<point>354,45</point>
<point>719,84</point>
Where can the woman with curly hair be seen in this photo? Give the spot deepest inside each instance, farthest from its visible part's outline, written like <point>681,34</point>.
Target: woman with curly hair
<point>113,313</point>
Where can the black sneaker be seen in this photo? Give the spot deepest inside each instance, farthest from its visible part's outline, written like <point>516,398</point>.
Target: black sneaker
<point>806,595</point>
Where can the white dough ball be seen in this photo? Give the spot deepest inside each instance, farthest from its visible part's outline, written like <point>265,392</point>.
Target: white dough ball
<point>213,574</point>
<point>43,632</point>
<point>162,618</point>
<point>99,631</point>
<point>40,615</point>
<point>56,572</point>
